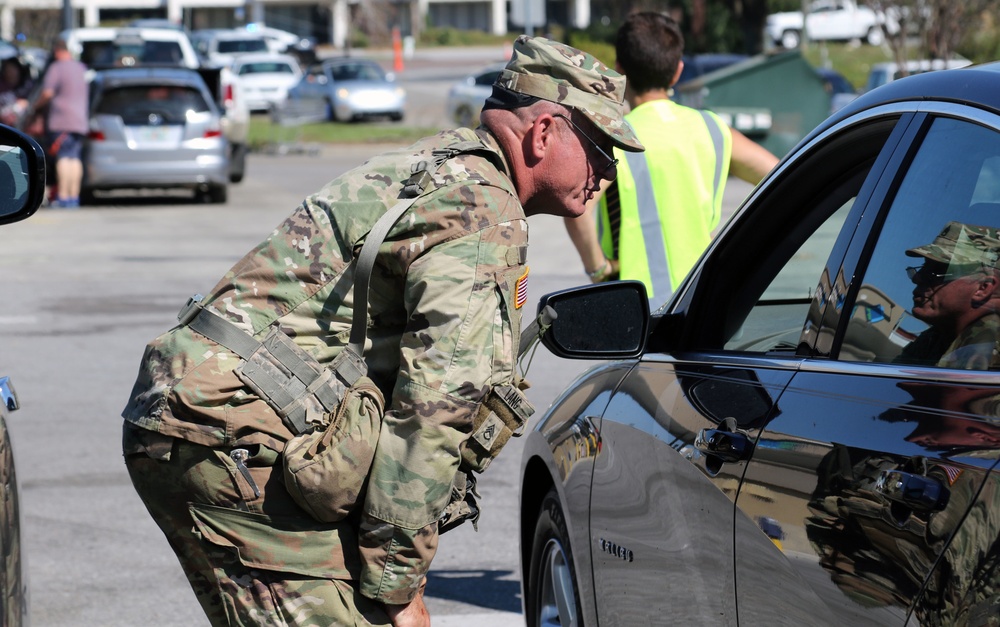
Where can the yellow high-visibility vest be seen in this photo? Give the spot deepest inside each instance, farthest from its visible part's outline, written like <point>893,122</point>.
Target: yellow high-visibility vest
<point>669,197</point>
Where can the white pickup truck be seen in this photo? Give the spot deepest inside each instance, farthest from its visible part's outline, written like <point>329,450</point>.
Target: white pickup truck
<point>830,20</point>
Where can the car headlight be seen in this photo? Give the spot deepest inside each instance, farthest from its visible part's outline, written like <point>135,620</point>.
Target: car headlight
<point>400,92</point>
<point>343,93</point>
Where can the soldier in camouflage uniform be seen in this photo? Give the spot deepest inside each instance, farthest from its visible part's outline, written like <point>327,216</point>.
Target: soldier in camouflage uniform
<point>204,450</point>
<point>958,294</point>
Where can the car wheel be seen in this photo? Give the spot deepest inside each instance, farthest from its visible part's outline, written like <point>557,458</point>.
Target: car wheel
<point>791,39</point>
<point>237,163</point>
<point>216,194</point>
<point>87,197</point>
<point>875,36</point>
<point>552,597</point>
<point>396,117</point>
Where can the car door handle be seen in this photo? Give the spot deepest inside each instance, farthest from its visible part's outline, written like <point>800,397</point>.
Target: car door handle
<point>916,492</point>
<point>728,446</point>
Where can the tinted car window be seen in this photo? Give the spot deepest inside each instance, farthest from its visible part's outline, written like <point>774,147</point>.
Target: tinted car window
<point>356,71</point>
<point>759,287</point>
<point>137,104</point>
<point>242,45</point>
<point>271,67</point>
<point>919,301</point>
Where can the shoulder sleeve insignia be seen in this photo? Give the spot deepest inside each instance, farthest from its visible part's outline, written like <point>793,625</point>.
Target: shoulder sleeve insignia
<point>521,290</point>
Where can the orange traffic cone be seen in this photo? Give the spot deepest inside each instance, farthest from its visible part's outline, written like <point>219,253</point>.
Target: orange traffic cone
<point>397,50</point>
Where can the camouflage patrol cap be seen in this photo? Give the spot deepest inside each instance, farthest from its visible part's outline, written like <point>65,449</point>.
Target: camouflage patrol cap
<point>559,73</point>
<point>961,244</point>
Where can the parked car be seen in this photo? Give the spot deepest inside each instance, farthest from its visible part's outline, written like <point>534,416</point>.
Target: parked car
<point>344,89</point>
<point>107,47</point>
<point>222,46</point>
<point>154,128</point>
<point>22,189</point>
<point>882,73</point>
<point>696,65</point>
<point>805,433</point>
<point>265,78</point>
<point>840,89</point>
<point>102,48</point>
<point>467,96</point>
<point>831,20</point>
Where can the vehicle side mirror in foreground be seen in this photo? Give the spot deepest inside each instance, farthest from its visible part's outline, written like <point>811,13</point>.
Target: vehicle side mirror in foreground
<point>602,321</point>
<point>22,175</point>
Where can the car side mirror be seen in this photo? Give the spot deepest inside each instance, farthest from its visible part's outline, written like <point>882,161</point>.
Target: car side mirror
<point>602,321</point>
<point>22,175</point>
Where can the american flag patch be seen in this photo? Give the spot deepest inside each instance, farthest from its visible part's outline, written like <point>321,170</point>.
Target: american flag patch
<point>521,290</point>
<point>951,472</point>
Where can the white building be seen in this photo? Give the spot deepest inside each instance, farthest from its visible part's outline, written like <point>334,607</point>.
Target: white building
<point>327,20</point>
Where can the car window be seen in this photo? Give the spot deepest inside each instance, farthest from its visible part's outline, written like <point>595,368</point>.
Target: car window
<point>487,78</point>
<point>927,294</point>
<point>229,46</point>
<point>132,52</point>
<point>148,104</point>
<point>356,71</point>
<point>269,67</point>
<point>759,286</point>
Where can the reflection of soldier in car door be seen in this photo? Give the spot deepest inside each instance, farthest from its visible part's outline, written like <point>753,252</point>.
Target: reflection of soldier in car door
<point>943,562</point>
<point>957,293</point>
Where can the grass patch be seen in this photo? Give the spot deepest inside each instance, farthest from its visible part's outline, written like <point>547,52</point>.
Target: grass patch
<point>853,61</point>
<point>263,133</point>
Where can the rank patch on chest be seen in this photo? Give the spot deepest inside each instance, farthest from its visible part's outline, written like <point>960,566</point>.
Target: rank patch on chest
<point>521,290</point>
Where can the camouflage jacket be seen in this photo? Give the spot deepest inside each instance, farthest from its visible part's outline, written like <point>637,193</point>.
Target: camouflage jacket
<point>443,329</point>
<point>977,347</point>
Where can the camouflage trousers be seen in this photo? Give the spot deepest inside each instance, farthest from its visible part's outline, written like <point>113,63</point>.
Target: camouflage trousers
<point>251,555</point>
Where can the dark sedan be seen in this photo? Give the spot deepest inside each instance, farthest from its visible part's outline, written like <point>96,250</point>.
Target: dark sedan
<point>808,431</point>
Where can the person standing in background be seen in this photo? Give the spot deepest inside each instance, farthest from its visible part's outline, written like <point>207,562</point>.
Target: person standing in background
<point>64,92</point>
<point>656,219</point>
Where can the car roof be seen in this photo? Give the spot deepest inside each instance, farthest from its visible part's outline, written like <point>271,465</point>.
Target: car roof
<point>975,86</point>
<point>101,33</point>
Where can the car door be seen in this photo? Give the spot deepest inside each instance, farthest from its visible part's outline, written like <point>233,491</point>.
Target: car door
<point>677,433</point>
<point>854,500</point>
<point>307,100</point>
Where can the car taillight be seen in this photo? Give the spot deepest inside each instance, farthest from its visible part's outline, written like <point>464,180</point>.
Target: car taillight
<point>213,133</point>
<point>228,95</point>
<point>97,136</point>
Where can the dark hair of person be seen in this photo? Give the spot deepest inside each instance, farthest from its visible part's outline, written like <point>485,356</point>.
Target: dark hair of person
<point>649,46</point>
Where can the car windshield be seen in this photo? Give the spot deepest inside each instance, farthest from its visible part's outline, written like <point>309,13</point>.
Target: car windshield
<point>152,104</point>
<point>357,72</point>
<point>265,67</point>
<point>229,46</point>
<point>131,52</point>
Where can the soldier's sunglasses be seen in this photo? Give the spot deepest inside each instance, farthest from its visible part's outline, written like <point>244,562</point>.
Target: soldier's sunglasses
<point>609,171</point>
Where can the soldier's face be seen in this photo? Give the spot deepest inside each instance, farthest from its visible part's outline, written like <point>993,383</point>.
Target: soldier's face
<point>940,298</point>
<point>576,166</point>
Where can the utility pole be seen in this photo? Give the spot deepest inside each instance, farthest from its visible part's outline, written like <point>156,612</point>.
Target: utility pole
<point>67,14</point>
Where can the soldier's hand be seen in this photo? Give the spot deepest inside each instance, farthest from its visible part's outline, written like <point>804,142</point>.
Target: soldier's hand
<point>413,614</point>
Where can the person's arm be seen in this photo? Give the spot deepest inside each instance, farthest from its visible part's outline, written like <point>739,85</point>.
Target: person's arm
<point>459,342</point>
<point>582,231</point>
<point>749,160</point>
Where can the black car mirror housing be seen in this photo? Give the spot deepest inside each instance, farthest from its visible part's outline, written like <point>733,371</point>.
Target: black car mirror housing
<point>602,321</point>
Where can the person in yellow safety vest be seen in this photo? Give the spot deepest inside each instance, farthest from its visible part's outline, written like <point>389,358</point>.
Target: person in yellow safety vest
<point>657,217</point>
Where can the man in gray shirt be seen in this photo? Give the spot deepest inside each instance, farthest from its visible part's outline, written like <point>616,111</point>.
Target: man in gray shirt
<point>64,90</point>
